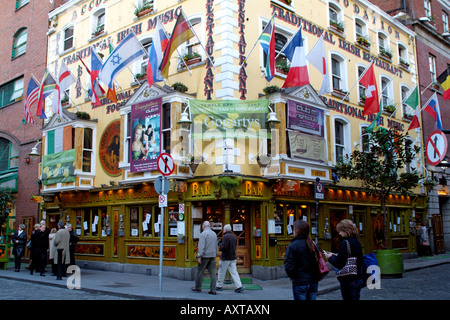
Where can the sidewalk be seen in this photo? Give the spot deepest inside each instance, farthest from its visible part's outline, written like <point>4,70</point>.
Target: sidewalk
<point>138,286</point>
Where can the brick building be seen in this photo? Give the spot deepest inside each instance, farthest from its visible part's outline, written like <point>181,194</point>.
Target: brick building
<point>429,19</point>
<point>24,25</point>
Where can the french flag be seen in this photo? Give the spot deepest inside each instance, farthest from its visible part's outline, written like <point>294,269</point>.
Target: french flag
<point>155,55</point>
<point>298,73</point>
<point>432,107</point>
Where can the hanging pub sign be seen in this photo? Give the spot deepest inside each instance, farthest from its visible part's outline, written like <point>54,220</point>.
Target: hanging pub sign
<point>228,118</point>
<point>58,167</point>
<point>305,118</point>
<point>145,146</point>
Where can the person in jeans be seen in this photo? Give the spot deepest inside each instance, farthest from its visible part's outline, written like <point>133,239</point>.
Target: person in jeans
<point>228,260</point>
<point>301,264</point>
<point>351,284</point>
<point>207,252</point>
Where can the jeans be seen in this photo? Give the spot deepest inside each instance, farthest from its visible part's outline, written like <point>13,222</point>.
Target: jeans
<point>305,292</point>
<point>350,289</point>
<point>210,265</point>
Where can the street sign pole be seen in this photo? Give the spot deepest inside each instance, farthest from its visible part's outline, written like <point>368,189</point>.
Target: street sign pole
<point>161,241</point>
<point>318,194</point>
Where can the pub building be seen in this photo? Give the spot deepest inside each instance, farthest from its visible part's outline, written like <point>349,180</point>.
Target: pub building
<point>241,157</point>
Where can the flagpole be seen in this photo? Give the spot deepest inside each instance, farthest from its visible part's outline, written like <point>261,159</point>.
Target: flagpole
<point>85,91</point>
<point>195,33</point>
<point>178,52</point>
<point>256,42</point>
<point>357,81</point>
<point>427,87</point>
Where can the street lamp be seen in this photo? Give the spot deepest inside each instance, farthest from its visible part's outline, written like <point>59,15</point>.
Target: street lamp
<point>34,152</point>
<point>184,121</point>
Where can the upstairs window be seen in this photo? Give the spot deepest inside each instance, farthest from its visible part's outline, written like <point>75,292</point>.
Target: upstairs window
<point>9,155</point>
<point>87,150</point>
<point>19,43</point>
<point>432,66</point>
<point>11,92</point>
<point>444,22</point>
<point>386,94</point>
<point>98,23</point>
<point>427,7</point>
<point>68,38</point>
<point>341,138</point>
<point>21,3</point>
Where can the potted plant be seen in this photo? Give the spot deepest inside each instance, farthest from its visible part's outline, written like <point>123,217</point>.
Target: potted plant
<point>271,89</point>
<point>403,63</point>
<point>283,66</point>
<point>180,87</point>
<point>385,54</point>
<point>337,26</point>
<point>435,85</point>
<point>191,58</point>
<point>363,41</point>
<point>143,9</point>
<point>429,184</point>
<point>99,30</point>
<point>389,108</point>
<point>407,116</point>
<point>83,115</point>
<point>141,76</point>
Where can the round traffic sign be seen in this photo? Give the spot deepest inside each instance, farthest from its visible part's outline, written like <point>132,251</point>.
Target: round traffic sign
<point>165,164</point>
<point>319,187</point>
<point>436,147</point>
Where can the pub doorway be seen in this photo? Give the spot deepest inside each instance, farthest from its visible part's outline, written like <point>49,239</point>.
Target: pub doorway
<point>336,215</point>
<point>239,219</point>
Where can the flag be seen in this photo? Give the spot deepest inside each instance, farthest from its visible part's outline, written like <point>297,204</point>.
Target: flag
<point>298,72</point>
<point>155,54</point>
<point>444,80</point>
<point>375,125</point>
<point>432,107</point>
<point>317,58</point>
<point>64,81</point>
<point>372,103</point>
<point>96,65</point>
<point>128,50</point>
<point>180,34</point>
<point>97,88</point>
<point>413,102</point>
<point>48,86</point>
<point>32,97</point>
<point>111,93</point>
<point>267,42</point>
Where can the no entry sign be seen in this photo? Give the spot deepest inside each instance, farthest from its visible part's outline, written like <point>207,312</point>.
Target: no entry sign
<point>436,147</point>
<point>166,165</point>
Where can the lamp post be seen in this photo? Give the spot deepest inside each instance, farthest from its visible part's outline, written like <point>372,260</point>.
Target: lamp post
<point>34,152</point>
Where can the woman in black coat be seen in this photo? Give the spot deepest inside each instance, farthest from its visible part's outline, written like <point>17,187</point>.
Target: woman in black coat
<point>35,254</point>
<point>350,284</point>
<point>19,240</point>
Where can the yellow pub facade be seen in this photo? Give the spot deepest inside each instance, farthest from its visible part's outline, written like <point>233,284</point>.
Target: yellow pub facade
<point>241,157</point>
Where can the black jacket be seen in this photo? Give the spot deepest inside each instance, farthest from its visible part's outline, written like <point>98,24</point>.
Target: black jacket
<point>300,263</point>
<point>228,246</point>
<point>340,260</point>
<point>19,248</point>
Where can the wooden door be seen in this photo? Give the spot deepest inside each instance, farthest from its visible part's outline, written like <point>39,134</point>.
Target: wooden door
<point>438,230</point>
<point>240,225</point>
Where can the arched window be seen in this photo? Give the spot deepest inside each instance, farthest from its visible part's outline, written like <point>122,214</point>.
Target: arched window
<point>338,73</point>
<point>387,96</point>
<point>19,43</point>
<point>383,45</point>
<point>98,22</point>
<point>361,88</point>
<point>336,17</point>
<point>402,55</point>
<point>341,138</point>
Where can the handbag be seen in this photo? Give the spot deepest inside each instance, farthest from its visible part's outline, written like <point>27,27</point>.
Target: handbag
<point>350,268</point>
<point>322,268</point>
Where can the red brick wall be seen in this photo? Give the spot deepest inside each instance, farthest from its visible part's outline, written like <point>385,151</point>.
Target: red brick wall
<point>34,17</point>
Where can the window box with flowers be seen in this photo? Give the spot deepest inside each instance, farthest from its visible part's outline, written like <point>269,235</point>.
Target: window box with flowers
<point>390,109</point>
<point>141,76</point>
<point>283,67</point>
<point>143,9</point>
<point>190,59</point>
<point>385,54</point>
<point>408,116</point>
<point>363,42</point>
<point>98,31</point>
<point>435,86</point>
<point>337,26</point>
<point>403,64</point>
<point>339,93</point>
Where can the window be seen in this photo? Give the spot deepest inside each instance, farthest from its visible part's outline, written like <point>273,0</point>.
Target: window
<point>166,127</point>
<point>19,43</point>
<point>409,150</point>
<point>11,92</point>
<point>142,66</point>
<point>93,220</point>
<point>128,138</point>
<point>361,34</point>
<point>9,155</point>
<point>386,92</point>
<point>87,150</point>
<point>98,22</point>
<point>281,62</point>
<point>444,21</point>
<point>361,88</point>
<point>338,73</point>
<point>402,55</point>
<point>68,38</point>
<point>341,138</point>
<point>432,66</point>
<point>383,45</point>
<point>427,7</point>
<point>286,214</point>
<point>193,45</point>
<point>365,141</point>
<point>407,110</point>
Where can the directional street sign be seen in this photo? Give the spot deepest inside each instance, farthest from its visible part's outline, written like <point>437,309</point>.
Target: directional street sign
<point>436,147</point>
<point>165,163</point>
<point>159,185</point>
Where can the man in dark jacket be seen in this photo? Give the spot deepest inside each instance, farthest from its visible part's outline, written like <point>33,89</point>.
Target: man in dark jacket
<point>42,247</point>
<point>73,243</point>
<point>300,263</point>
<point>19,240</point>
<point>228,259</point>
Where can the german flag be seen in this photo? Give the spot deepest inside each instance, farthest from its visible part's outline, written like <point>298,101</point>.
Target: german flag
<point>444,80</point>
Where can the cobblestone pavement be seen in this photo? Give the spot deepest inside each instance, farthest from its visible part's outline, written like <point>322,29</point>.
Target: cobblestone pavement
<point>19,290</point>
<point>424,284</point>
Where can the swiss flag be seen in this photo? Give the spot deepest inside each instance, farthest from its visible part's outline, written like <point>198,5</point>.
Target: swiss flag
<point>372,104</point>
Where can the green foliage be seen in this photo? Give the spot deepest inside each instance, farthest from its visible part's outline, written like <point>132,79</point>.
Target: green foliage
<point>7,200</point>
<point>180,87</point>
<point>228,183</point>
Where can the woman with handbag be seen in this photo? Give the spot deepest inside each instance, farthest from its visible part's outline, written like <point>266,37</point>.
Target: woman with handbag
<point>301,263</point>
<point>348,261</point>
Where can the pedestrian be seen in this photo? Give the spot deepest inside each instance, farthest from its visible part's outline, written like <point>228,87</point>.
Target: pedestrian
<point>52,251</point>
<point>301,264</point>
<point>425,241</point>
<point>35,249</point>
<point>207,252</point>
<point>42,247</point>
<point>228,259</point>
<point>19,240</point>
<point>72,243</point>
<point>350,248</point>
<point>61,241</point>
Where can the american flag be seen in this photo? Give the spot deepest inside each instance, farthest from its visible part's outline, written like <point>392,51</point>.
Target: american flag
<point>32,96</point>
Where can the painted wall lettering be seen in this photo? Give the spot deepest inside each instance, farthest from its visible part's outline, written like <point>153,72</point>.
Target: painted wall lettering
<point>242,47</point>
<point>209,77</point>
